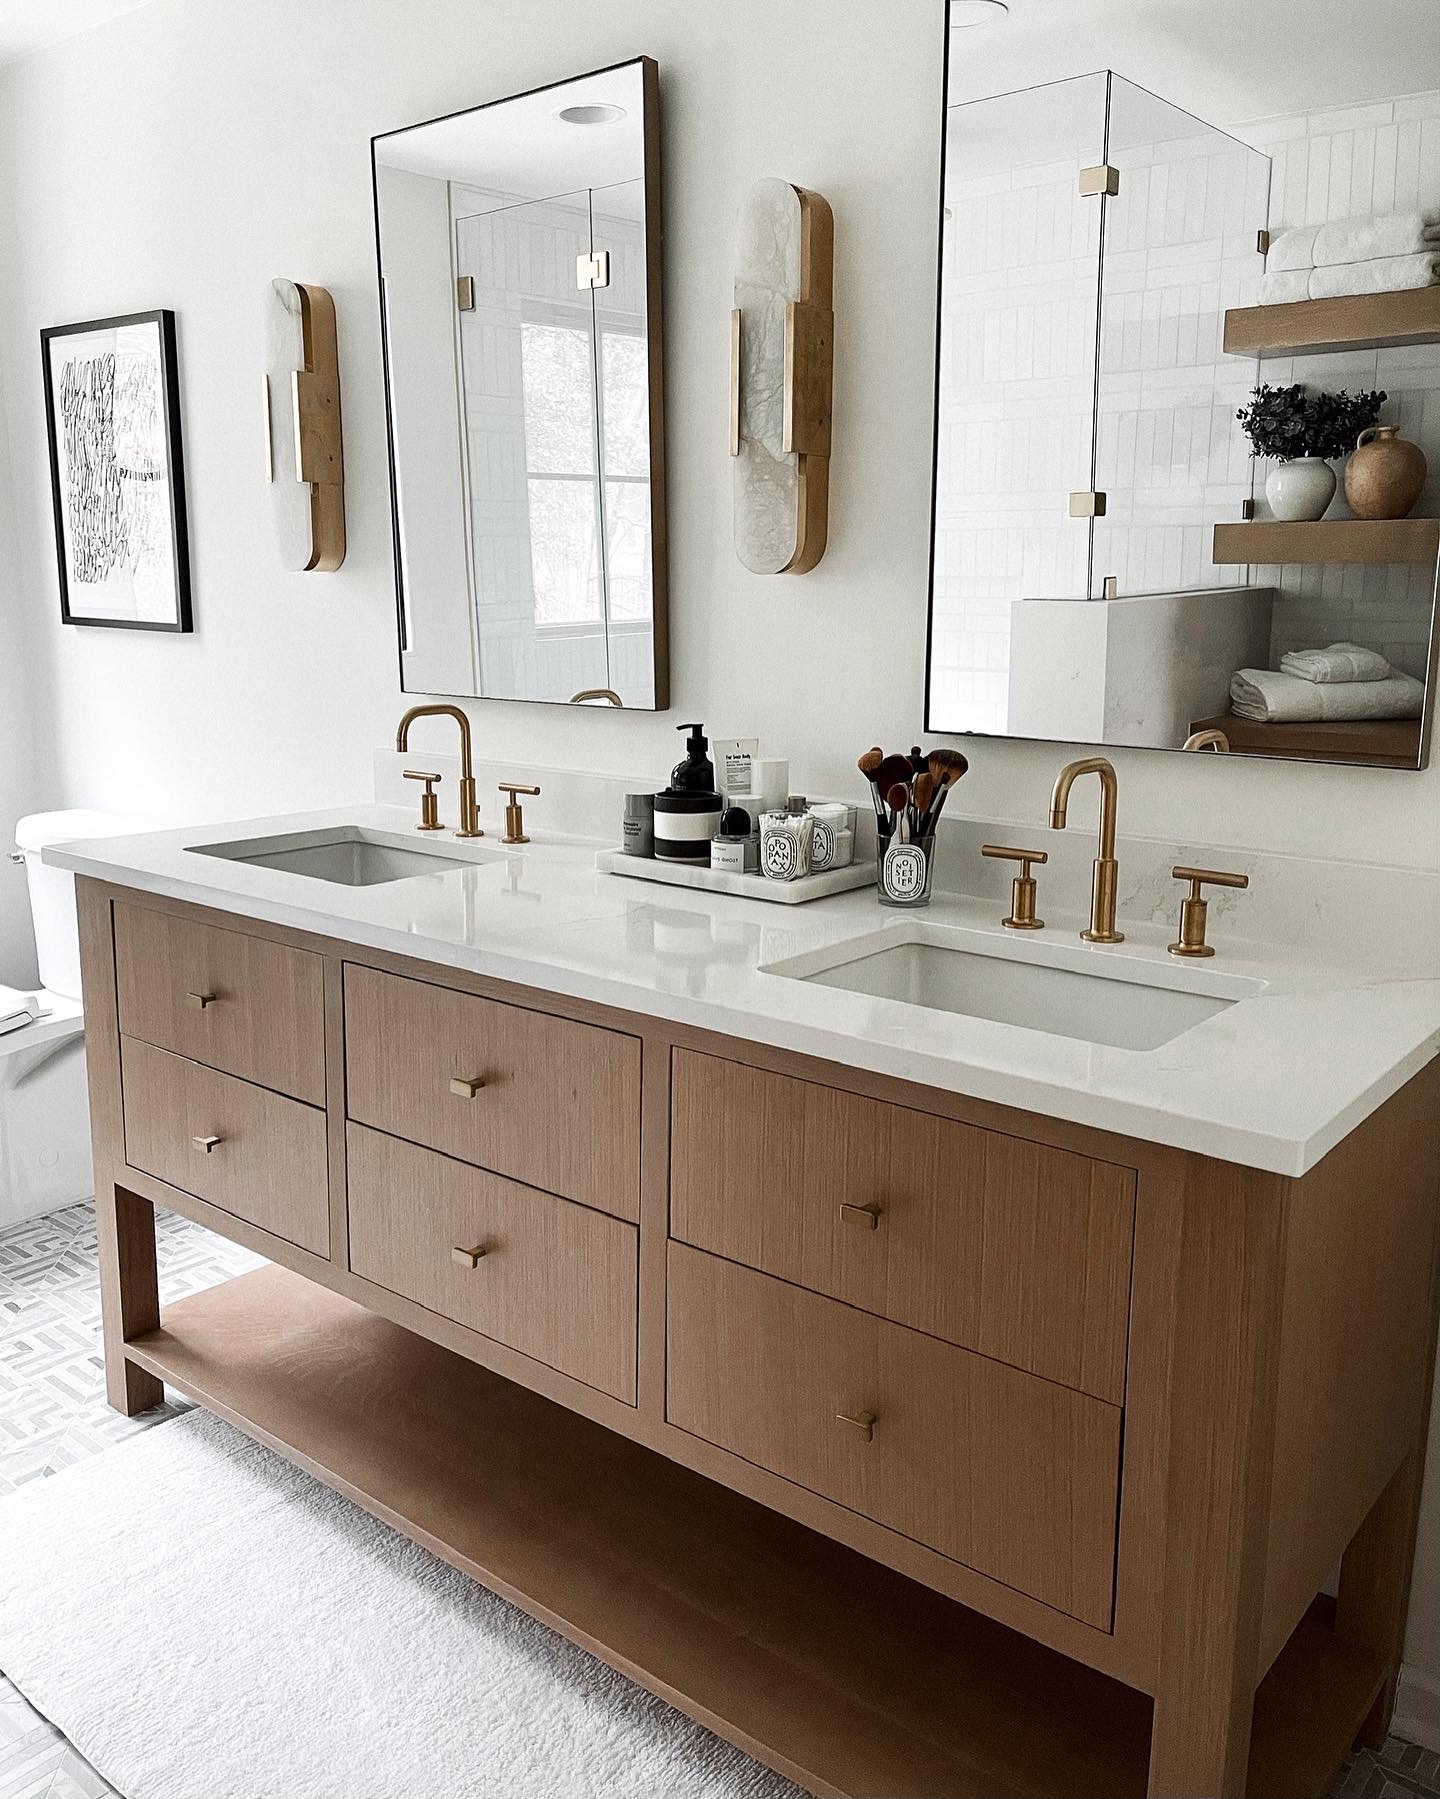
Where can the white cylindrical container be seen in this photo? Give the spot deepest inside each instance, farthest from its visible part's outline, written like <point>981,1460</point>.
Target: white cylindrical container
<point>769,783</point>
<point>831,818</point>
<point>684,825</point>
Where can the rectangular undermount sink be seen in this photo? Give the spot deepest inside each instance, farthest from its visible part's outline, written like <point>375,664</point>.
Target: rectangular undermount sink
<point>1123,1007</point>
<point>348,855</point>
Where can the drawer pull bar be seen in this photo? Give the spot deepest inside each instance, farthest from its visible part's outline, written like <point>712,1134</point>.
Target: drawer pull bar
<point>463,1089</point>
<point>207,1143</point>
<point>868,1216</point>
<point>468,1258</point>
<point>200,1000</point>
<point>864,1422</point>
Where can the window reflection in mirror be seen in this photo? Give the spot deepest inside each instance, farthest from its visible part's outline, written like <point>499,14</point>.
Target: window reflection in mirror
<point>520,303</point>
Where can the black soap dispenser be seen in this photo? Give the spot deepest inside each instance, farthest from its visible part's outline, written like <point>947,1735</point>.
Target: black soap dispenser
<point>696,774</point>
<point>687,813</point>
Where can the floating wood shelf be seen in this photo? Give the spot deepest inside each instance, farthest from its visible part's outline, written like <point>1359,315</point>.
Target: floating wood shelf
<point>1329,540</point>
<point>843,1675</point>
<point>1387,743</point>
<point>1354,322</point>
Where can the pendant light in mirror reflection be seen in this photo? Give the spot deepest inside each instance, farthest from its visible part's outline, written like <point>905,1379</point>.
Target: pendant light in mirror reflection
<point>304,460</point>
<point>519,258</point>
<point>781,367</point>
<point>117,475</point>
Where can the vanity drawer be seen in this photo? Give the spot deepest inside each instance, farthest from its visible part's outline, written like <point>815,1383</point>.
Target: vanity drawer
<point>1010,1248</point>
<point>558,1105</point>
<point>1014,1476</point>
<point>557,1281</point>
<point>267,1157</point>
<point>247,1005</point>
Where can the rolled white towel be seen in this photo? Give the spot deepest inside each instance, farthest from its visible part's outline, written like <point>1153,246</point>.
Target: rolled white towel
<point>1381,275</point>
<point>1285,288</point>
<point>1271,697</point>
<point>1363,239</point>
<point>1294,249</point>
<point>1337,662</point>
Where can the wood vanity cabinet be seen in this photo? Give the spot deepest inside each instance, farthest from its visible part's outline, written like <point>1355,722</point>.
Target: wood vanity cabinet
<point>915,1444</point>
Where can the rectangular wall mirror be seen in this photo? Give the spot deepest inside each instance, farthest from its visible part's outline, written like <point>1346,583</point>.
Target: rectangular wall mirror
<point>519,251</point>
<point>1104,558</point>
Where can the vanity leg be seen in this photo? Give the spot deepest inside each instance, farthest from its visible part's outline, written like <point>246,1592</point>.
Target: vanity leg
<point>129,1294</point>
<point>1375,1585</point>
<point>1222,1426</point>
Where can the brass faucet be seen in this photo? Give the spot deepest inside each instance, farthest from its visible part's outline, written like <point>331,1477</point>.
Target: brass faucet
<point>469,804</point>
<point>1107,869</point>
<point>1207,740</point>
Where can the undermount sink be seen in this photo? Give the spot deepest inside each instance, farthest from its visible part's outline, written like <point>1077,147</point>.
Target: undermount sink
<point>1131,1006</point>
<point>349,855</point>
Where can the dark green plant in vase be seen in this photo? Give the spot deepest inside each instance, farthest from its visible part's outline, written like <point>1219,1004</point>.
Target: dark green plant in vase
<point>1301,432</point>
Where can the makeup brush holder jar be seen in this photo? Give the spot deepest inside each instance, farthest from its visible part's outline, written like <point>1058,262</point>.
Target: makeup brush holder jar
<point>903,871</point>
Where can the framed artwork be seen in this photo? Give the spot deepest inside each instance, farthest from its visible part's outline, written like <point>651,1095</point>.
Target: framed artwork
<point>117,474</point>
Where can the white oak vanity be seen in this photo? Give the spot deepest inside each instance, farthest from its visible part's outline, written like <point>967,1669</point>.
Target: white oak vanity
<point>917,1443</point>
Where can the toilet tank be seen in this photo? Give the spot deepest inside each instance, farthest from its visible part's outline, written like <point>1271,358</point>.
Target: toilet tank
<point>52,890</point>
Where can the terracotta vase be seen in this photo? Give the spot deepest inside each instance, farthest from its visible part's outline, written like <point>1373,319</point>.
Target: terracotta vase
<point>1385,475</point>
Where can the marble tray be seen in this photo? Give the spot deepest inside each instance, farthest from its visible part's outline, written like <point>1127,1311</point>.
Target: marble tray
<point>780,893</point>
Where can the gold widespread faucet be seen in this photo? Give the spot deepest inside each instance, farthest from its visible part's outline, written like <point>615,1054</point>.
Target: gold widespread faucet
<point>1107,870</point>
<point>469,804</point>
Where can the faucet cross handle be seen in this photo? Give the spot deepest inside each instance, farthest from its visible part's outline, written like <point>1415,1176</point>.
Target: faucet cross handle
<point>1191,941</point>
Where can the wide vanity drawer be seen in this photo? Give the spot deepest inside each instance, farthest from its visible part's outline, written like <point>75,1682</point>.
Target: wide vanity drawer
<point>243,1004</point>
<point>1014,1476</point>
<point>544,1100</point>
<point>553,1279</point>
<point>1002,1246</point>
<point>252,1153</point>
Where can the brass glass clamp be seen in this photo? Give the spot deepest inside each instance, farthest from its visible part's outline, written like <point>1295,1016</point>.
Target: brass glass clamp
<point>514,817</point>
<point>429,805</point>
<point>1022,888</point>
<point>1193,907</point>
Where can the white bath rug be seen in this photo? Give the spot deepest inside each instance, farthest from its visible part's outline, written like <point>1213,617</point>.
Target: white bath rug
<point>204,1621</point>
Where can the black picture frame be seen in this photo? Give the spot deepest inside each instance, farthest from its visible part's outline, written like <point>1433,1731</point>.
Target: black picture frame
<point>177,616</point>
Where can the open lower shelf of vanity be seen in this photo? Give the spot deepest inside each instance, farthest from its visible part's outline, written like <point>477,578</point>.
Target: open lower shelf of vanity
<point>840,1673</point>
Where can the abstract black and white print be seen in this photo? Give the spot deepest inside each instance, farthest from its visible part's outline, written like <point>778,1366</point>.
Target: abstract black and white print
<point>118,510</point>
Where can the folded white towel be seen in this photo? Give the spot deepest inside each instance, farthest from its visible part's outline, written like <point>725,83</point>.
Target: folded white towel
<point>1293,249</point>
<point>1337,662</point>
<point>1271,697</point>
<point>1285,288</point>
<point>1387,234</point>
<point>1381,275</point>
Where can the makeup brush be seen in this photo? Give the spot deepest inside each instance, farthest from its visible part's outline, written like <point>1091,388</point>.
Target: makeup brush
<point>892,770</point>
<point>924,793</point>
<point>868,764</point>
<point>899,799</point>
<point>945,767</point>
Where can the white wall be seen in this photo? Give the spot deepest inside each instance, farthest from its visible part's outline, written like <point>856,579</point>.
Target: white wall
<point>188,153</point>
<point>240,165</point>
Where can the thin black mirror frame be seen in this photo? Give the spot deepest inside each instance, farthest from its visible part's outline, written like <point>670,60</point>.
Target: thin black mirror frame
<point>654,332</point>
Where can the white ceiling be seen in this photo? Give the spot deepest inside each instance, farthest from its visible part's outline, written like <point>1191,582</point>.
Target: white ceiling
<point>1230,61</point>
<point>29,25</point>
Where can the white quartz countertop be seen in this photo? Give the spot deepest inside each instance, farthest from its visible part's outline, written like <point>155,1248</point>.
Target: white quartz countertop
<point>1274,1080</point>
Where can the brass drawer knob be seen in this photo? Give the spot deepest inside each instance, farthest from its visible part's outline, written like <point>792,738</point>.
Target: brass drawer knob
<point>199,1001</point>
<point>207,1143</point>
<point>866,1217</point>
<point>863,1422</point>
<point>463,1089</point>
<point>468,1258</point>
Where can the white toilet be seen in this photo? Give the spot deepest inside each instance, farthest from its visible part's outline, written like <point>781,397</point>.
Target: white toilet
<point>44,1112</point>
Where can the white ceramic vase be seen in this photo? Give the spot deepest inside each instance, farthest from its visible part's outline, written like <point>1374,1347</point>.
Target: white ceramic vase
<point>1301,489</point>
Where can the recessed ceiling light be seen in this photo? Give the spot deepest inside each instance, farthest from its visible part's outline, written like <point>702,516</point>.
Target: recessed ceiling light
<point>601,114</point>
<point>964,13</point>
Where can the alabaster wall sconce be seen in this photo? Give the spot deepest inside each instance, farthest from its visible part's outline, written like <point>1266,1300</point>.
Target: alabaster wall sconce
<point>781,368</point>
<point>304,462</point>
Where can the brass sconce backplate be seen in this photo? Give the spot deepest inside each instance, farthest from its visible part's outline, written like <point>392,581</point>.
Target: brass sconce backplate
<point>303,446</point>
<point>781,378</point>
